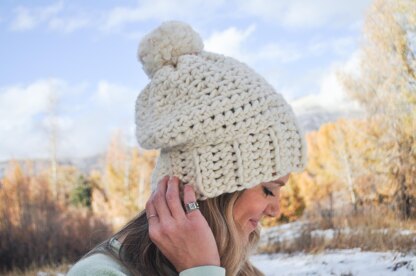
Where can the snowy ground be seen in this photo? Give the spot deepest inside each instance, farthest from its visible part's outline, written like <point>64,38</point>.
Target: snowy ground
<point>341,262</point>
<point>290,231</point>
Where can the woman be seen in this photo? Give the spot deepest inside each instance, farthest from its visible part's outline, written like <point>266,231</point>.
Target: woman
<point>227,142</point>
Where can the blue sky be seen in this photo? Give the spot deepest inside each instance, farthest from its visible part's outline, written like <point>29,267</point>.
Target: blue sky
<point>81,55</point>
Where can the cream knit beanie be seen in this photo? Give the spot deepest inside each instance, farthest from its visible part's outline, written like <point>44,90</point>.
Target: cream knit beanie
<point>218,124</point>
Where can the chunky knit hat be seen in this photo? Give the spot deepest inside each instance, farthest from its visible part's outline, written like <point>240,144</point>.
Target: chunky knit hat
<point>218,124</point>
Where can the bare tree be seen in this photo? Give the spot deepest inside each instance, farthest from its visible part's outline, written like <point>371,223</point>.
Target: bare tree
<point>53,141</point>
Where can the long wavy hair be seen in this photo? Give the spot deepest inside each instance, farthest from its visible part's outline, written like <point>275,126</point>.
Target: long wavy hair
<point>142,257</point>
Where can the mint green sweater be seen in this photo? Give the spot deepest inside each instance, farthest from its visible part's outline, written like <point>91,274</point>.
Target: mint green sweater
<point>101,264</point>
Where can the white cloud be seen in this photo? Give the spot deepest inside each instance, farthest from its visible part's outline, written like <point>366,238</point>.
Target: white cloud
<point>84,117</point>
<point>187,10</point>
<point>51,16</point>
<point>230,42</point>
<point>68,25</point>
<point>233,42</point>
<point>113,96</point>
<point>18,104</point>
<point>332,96</point>
<point>60,16</point>
<point>23,21</point>
<point>51,10</point>
<point>21,108</point>
<point>282,52</point>
<point>339,45</point>
<point>297,13</point>
<point>27,19</point>
<point>305,13</point>
<point>119,16</point>
<point>109,108</point>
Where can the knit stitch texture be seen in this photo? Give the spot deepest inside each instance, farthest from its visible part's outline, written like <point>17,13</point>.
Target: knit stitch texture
<point>218,124</point>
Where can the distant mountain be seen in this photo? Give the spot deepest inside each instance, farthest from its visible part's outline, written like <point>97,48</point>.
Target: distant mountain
<point>312,114</point>
<point>311,120</point>
<point>84,165</point>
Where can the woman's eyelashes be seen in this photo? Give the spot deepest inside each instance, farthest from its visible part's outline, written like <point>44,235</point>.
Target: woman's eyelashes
<point>267,192</point>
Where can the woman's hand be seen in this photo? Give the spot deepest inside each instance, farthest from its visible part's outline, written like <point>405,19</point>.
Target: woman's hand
<point>185,239</point>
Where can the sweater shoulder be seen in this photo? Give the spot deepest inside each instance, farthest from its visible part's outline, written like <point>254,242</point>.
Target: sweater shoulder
<point>98,264</point>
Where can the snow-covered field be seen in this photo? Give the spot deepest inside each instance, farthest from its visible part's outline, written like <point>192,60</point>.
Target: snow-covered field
<point>291,231</point>
<point>331,262</point>
<point>340,262</point>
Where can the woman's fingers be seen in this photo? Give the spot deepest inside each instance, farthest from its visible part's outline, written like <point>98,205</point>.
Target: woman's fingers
<point>180,239</point>
<point>189,197</point>
<point>173,198</point>
<point>151,214</point>
<point>159,201</point>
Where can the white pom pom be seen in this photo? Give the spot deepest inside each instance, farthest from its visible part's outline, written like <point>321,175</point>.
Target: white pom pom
<point>165,44</point>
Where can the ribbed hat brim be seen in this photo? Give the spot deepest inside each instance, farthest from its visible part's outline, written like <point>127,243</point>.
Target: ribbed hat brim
<point>238,164</point>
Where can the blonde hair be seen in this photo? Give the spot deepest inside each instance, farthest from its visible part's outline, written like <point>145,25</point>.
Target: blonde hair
<point>140,255</point>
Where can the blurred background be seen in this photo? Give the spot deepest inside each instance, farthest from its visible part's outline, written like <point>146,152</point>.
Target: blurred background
<point>72,173</point>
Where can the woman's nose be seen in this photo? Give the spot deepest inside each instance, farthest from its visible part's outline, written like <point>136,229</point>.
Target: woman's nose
<point>273,208</point>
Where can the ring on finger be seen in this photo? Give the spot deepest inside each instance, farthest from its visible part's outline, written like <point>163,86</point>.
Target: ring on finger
<point>151,216</point>
<point>191,206</point>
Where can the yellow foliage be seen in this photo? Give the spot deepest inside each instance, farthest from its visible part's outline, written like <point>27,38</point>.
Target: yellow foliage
<point>124,186</point>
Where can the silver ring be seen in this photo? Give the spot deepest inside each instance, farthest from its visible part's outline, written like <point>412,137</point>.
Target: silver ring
<point>151,216</point>
<point>191,206</point>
